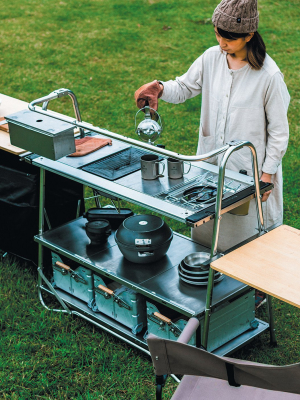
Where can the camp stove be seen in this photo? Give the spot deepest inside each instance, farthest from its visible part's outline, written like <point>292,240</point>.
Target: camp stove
<point>200,192</point>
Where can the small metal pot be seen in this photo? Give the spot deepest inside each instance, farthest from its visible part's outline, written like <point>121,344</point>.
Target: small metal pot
<point>98,231</point>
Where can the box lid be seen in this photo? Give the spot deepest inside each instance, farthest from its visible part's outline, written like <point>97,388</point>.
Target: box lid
<point>44,124</point>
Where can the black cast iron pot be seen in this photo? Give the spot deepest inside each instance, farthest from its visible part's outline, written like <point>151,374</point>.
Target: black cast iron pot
<point>98,231</point>
<point>143,238</point>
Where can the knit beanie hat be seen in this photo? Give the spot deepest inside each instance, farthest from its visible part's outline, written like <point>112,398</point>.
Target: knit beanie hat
<point>238,16</point>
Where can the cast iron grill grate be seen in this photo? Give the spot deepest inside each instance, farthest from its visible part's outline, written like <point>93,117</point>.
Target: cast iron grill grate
<point>117,165</point>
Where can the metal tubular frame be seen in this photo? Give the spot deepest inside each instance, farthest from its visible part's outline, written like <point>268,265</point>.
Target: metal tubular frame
<point>235,146</point>
<point>84,125</point>
<point>61,93</point>
<point>228,149</point>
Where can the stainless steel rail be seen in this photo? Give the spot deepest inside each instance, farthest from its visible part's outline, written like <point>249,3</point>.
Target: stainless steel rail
<point>84,125</point>
<point>61,93</point>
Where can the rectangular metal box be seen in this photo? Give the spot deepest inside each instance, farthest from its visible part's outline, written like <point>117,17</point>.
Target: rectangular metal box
<point>122,304</point>
<point>227,321</point>
<point>41,134</point>
<point>230,320</point>
<point>160,328</point>
<point>78,282</point>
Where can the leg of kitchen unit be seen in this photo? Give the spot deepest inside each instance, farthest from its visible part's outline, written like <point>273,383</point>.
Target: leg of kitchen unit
<point>41,276</point>
<point>41,215</point>
<point>273,340</point>
<point>209,294</point>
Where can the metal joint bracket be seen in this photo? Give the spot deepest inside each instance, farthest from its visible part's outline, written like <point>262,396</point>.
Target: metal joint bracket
<point>234,142</point>
<point>61,92</point>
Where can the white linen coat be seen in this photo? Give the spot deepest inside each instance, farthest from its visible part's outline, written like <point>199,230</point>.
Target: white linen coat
<point>243,104</point>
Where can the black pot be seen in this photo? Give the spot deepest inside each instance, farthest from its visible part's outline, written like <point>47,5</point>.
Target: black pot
<point>143,238</point>
<point>98,231</point>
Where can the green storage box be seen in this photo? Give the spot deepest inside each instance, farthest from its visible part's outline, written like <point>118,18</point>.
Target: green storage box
<point>229,320</point>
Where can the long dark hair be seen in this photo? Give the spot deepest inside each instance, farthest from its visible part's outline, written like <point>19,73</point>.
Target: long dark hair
<point>256,48</point>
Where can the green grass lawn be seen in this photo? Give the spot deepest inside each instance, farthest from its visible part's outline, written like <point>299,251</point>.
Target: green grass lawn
<point>104,50</point>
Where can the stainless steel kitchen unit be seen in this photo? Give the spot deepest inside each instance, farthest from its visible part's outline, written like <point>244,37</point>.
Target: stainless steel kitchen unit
<point>229,303</point>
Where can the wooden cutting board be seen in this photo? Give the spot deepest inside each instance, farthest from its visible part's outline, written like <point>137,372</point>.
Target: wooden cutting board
<point>270,263</point>
<point>4,127</point>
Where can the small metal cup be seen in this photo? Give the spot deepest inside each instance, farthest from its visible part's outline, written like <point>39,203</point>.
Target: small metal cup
<point>150,167</point>
<point>176,168</point>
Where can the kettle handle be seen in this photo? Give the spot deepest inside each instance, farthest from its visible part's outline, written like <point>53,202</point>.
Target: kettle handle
<point>148,115</point>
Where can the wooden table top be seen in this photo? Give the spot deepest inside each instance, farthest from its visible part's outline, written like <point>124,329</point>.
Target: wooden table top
<point>9,105</point>
<point>270,263</point>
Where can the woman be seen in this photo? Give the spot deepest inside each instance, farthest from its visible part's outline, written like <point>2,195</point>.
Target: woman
<point>243,97</point>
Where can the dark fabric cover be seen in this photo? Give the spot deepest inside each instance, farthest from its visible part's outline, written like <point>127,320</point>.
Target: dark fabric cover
<point>199,388</point>
<point>171,357</point>
<point>19,200</point>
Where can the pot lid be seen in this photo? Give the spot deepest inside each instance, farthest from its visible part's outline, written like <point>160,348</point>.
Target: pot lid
<point>99,226</point>
<point>143,231</point>
<point>143,223</point>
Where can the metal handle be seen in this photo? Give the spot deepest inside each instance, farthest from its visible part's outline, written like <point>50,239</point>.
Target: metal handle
<point>162,318</point>
<point>145,253</point>
<point>160,175</point>
<point>62,265</point>
<point>148,115</point>
<point>165,320</point>
<point>190,166</point>
<point>106,290</point>
<point>55,95</point>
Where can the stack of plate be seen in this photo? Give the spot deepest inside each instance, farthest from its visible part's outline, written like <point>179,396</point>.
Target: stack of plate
<point>192,269</point>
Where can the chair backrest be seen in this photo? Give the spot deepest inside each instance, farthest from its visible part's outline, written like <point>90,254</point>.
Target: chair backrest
<point>171,357</point>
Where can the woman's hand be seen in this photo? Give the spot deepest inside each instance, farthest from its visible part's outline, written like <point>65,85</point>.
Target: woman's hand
<point>266,178</point>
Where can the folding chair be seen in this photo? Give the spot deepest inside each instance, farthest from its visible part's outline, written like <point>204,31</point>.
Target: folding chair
<point>210,377</point>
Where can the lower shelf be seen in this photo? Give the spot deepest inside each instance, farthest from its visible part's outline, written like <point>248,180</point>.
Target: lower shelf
<point>122,332</point>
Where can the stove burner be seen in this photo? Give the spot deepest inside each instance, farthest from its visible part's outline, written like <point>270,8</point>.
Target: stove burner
<point>200,193</point>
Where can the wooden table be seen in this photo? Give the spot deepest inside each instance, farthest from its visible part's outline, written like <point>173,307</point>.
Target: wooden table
<point>9,105</point>
<point>270,263</point>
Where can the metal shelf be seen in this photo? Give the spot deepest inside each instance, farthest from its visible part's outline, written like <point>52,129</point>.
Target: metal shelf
<point>158,281</point>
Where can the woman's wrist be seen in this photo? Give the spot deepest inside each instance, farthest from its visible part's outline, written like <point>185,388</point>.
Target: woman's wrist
<point>266,177</point>
<point>161,88</point>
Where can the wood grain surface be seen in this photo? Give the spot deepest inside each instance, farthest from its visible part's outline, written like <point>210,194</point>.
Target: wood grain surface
<point>270,263</point>
<point>8,106</point>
